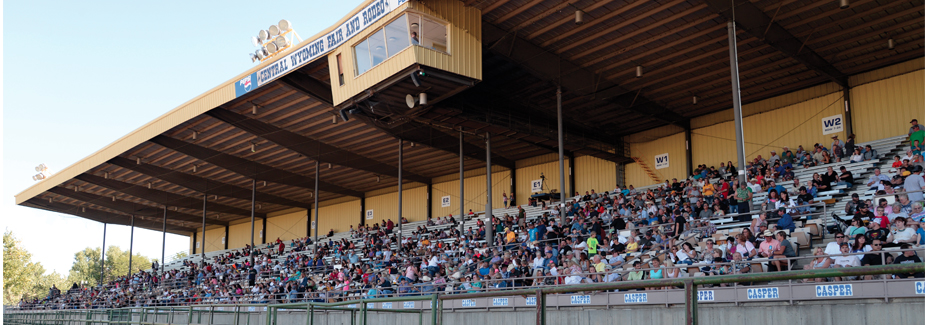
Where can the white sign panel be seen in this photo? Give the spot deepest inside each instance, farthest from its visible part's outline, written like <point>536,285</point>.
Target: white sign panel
<point>445,202</point>
<point>706,295</point>
<point>499,301</point>
<point>369,214</point>
<point>468,303</point>
<point>661,161</point>
<point>313,224</point>
<point>386,305</point>
<point>763,293</point>
<point>634,298</point>
<point>580,300</point>
<point>408,304</point>
<point>920,287</point>
<point>833,124</point>
<point>536,185</point>
<point>531,301</point>
<point>834,290</point>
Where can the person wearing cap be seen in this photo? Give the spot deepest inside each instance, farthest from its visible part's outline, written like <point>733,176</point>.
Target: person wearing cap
<point>914,127</point>
<point>786,221</point>
<point>907,257</point>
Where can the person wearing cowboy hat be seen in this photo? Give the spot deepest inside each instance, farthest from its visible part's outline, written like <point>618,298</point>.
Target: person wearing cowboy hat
<point>769,245</point>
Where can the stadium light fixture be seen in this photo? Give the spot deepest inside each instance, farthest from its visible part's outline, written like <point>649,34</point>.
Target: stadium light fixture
<point>43,172</point>
<point>844,4</point>
<point>890,44</point>
<point>149,185</point>
<point>274,30</point>
<point>138,160</point>
<point>253,109</point>
<point>638,71</point>
<point>273,40</point>
<point>263,35</point>
<point>579,17</point>
<point>272,48</point>
<point>253,147</point>
<point>695,100</point>
<point>195,134</point>
<point>194,168</point>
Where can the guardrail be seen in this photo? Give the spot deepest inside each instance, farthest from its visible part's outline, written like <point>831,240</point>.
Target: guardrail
<point>539,295</point>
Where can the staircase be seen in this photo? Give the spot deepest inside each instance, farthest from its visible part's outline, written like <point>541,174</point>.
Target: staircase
<point>649,171</point>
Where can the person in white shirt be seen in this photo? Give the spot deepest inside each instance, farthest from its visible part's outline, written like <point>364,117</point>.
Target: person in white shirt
<point>846,261</point>
<point>833,247</point>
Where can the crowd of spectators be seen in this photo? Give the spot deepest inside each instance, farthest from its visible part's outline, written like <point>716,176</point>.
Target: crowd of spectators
<point>620,235</point>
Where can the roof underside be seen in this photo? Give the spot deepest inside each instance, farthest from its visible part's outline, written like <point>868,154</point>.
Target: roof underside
<point>530,47</point>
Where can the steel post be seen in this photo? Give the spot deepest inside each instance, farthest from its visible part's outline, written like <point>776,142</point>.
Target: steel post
<point>736,100</point>
<point>315,195</point>
<point>563,192</point>
<point>253,214</point>
<point>462,186</point>
<point>540,307</point>
<point>103,257</point>
<point>690,303</point>
<point>131,245</point>
<point>433,309</point>
<point>164,242</point>
<point>400,158</point>
<point>490,231</point>
<point>202,249</point>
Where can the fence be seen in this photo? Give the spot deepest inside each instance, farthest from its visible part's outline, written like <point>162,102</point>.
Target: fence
<point>436,302</point>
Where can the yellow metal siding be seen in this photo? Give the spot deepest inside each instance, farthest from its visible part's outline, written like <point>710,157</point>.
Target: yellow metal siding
<point>766,105</point>
<point>287,226</point>
<point>464,38</point>
<point>883,108</point>
<point>887,72</point>
<point>594,173</point>
<point>240,234</point>
<point>793,125</point>
<point>385,206</point>
<point>475,192</point>
<point>673,145</point>
<point>530,169</point>
<point>338,217</point>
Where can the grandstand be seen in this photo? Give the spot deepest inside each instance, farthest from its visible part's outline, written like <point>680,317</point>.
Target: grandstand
<point>292,181</point>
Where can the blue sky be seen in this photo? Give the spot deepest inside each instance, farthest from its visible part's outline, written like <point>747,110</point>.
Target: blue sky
<point>78,75</point>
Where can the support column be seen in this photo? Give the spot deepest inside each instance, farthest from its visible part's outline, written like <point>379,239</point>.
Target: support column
<point>263,237</point>
<point>362,211</point>
<point>315,194</point>
<point>253,214</point>
<point>227,236</point>
<point>540,307</point>
<point>400,158</point>
<point>163,242</point>
<point>690,303</point>
<point>202,251</point>
<point>131,244</point>
<point>103,256</point>
<point>736,100</point>
<point>849,125</point>
<point>689,151</point>
<point>571,172</point>
<point>513,187</point>
<point>430,200</point>
<point>490,232</point>
<point>462,186</point>
<point>563,192</point>
<point>195,241</point>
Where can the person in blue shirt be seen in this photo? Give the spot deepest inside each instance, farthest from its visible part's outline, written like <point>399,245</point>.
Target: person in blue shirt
<point>786,221</point>
<point>531,232</point>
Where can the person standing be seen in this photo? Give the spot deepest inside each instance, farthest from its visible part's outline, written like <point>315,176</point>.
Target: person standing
<point>914,182</point>
<point>743,195</point>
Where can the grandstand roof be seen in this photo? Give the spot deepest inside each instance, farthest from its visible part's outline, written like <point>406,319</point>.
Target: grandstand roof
<point>529,47</point>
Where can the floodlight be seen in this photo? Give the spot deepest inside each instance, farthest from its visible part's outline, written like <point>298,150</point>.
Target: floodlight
<point>254,57</point>
<point>260,54</point>
<point>274,30</point>
<point>255,41</point>
<point>271,47</point>
<point>281,42</point>
<point>263,35</point>
<point>890,44</point>
<point>284,25</point>
<point>41,168</point>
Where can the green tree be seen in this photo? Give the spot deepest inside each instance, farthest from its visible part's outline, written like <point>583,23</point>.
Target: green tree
<point>86,267</point>
<point>178,256</point>
<point>23,278</point>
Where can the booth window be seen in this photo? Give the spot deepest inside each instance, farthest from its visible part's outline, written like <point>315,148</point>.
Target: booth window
<point>382,44</point>
<point>340,70</point>
<point>428,32</point>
